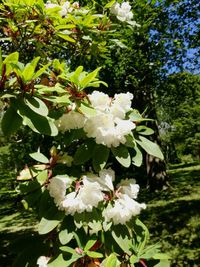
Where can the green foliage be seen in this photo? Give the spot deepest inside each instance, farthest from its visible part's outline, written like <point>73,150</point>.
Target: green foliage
<point>100,157</point>
<point>180,112</point>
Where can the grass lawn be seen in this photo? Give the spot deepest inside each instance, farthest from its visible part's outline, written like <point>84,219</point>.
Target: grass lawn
<point>15,222</point>
<point>172,216</point>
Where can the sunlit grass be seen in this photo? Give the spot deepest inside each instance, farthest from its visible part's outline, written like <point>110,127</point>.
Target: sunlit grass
<point>173,216</point>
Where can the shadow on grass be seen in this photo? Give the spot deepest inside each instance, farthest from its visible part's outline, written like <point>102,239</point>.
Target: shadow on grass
<point>173,217</point>
<point>15,224</point>
<point>8,239</point>
<point>183,165</point>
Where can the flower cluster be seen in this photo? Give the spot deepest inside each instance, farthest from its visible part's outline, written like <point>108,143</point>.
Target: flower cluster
<point>90,190</point>
<point>124,206</point>
<point>42,261</point>
<point>122,12</point>
<point>108,126</point>
<point>65,8</point>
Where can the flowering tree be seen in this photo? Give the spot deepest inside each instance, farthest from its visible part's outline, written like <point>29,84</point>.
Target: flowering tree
<point>88,215</point>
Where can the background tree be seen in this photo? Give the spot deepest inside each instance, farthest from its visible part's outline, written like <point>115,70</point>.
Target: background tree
<point>178,105</point>
<point>163,43</point>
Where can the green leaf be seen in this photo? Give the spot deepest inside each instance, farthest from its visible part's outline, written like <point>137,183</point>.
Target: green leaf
<point>63,27</point>
<point>89,244</point>
<point>38,123</point>
<point>137,159</point>
<point>68,249</point>
<point>27,73</point>
<point>87,110</point>
<point>39,157</point>
<point>97,84</point>
<point>119,43</point>
<point>76,74</point>
<point>89,78</point>
<point>72,260</point>
<point>134,259</point>
<point>122,241</point>
<point>34,62</point>
<point>109,4</point>
<point>37,105</point>
<point>8,96</point>
<point>161,256</point>
<point>135,116</point>
<point>142,234</point>
<point>11,121</point>
<point>26,174</point>
<point>95,225</point>
<point>12,58</point>
<point>42,177</point>
<point>45,226</point>
<point>122,155</point>
<point>84,152</point>
<point>144,130</point>
<point>42,89</point>
<point>163,263</point>
<point>130,141</point>
<point>74,257</point>
<point>66,37</point>
<point>94,254</point>
<point>150,147</point>
<point>64,99</point>
<point>100,157</point>
<point>41,71</point>
<point>58,262</point>
<point>111,261</point>
<point>149,252</point>
<point>65,237</point>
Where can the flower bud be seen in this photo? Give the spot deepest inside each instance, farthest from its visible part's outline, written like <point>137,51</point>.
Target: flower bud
<point>53,151</point>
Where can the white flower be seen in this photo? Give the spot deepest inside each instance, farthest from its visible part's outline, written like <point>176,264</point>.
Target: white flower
<point>65,9</point>
<point>129,187</point>
<point>42,261</point>
<point>57,188</point>
<point>126,7</point>
<point>115,9</point>
<point>129,17</point>
<point>106,178</point>
<point>99,100</point>
<point>102,128</point>
<point>124,127</point>
<point>50,5</point>
<point>117,111</point>
<point>107,126</point>
<point>123,12</point>
<point>72,204</point>
<point>76,5</point>
<point>123,100</point>
<point>70,120</point>
<point>86,198</point>
<point>123,210</point>
<point>90,194</point>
